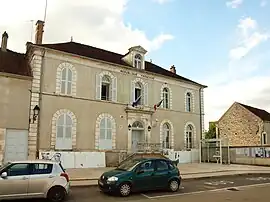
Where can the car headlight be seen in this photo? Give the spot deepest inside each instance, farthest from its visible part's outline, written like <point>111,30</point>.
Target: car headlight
<point>113,179</point>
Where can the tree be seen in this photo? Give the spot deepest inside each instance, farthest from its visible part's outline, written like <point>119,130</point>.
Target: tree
<point>211,133</point>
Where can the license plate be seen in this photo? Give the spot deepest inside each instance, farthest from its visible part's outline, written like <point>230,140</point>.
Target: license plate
<point>101,183</point>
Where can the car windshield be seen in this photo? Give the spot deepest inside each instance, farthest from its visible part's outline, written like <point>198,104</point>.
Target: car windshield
<point>128,165</point>
<point>4,166</point>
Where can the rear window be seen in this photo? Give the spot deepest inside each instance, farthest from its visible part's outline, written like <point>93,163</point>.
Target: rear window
<point>41,168</point>
<point>171,165</point>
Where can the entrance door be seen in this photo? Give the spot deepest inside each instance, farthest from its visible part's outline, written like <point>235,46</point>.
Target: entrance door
<point>137,136</point>
<point>16,145</point>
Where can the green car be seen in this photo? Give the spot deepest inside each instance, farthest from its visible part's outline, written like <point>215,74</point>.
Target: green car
<point>141,175</point>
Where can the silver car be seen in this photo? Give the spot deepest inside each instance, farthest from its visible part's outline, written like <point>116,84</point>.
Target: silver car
<point>34,179</point>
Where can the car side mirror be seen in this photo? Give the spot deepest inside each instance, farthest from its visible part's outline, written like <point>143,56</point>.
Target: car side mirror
<point>4,175</point>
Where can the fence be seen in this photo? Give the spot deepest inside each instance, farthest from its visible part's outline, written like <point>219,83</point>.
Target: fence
<point>251,155</point>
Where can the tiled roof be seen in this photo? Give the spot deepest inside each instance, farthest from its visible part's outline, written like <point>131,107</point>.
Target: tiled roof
<point>104,55</point>
<point>14,63</point>
<point>264,115</point>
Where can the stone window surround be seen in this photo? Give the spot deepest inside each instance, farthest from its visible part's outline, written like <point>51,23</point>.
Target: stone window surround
<point>262,137</point>
<point>144,84</point>
<point>192,101</point>
<point>54,127</point>
<point>97,130</point>
<point>112,77</point>
<point>59,79</point>
<point>194,134</point>
<point>171,132</point>
<point>170,95</point>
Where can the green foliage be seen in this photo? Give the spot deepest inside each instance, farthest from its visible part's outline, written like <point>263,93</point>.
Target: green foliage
<point>211,133</point>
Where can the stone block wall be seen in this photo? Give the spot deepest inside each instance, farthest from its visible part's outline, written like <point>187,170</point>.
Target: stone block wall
<point>240,126</point>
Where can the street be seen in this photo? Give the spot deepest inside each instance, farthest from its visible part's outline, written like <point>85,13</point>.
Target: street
<point>226,188</point>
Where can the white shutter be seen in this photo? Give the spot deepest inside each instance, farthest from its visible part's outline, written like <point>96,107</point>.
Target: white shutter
<point>132,92</point>
<point>98,87</point>
<point>145,94</point>
<point>114,89</point>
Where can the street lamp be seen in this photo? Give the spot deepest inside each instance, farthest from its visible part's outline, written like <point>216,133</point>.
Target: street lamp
<point>36,113</point>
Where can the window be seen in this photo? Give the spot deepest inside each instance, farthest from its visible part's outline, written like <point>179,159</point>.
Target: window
<point>106,88</point>
<point>138,61</point>
<point>165,98</point>
<point>166,136</point>
<point>18,169</point>
<point>188,102</point>
<point>162,165</point>
<point>171,166</point>
<point>147,166</point>
<point>64,132</point>
<point>105,133</point>
<point>264,138</point>
<point>39,168</point>
<point>189,137</point>
<point>138,92</point>
<point>66,81</point>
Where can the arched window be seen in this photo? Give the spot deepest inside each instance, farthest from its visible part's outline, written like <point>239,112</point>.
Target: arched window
<point>106,88</point>
<point>189,136</point>
<point>105,138</point>
<point>165,98</point>
<point>137,125</point>
<point>166,136</point>
<point>138,92</point>
<point>64,132</point>
<point>138,61</point>
<point>188,102</point>
<point>66,81</point>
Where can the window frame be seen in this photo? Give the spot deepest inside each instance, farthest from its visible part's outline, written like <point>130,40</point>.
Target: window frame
<point>189,136</point>
<point>108,84</point>
<point>166,101</point>
<point>12,164</point>
<point>106,128</point>
<point>188,102</point>
<point>156,165</point>
<point>138,61</point>
<point>65,81</point>
<point>32,168</point>
<point>168,130</point>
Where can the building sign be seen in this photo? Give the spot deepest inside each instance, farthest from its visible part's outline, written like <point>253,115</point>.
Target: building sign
<point>126,72</point>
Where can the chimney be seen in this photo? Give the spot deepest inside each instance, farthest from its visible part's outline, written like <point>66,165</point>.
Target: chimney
<point>4,42</point>
<point>172,69</point>
<point>39,31</point>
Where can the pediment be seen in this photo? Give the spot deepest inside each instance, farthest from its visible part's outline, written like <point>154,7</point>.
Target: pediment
<point>139,49</point>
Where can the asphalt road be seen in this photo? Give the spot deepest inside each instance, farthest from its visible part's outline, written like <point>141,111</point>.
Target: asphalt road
<point>233,188</point>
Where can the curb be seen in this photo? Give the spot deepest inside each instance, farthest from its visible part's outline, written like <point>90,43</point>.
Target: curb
<point>187,179</point>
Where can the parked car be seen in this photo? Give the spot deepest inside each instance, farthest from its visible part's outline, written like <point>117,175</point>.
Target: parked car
<point>33,179</point>
<point>141,175</point>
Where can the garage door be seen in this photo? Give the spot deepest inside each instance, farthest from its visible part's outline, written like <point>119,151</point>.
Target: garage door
<point>16,145</point>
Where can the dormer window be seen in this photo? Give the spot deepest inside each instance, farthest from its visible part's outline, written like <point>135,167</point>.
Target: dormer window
<point>138,61</point>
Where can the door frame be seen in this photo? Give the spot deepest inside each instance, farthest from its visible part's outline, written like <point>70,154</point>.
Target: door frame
<point>6,140</point>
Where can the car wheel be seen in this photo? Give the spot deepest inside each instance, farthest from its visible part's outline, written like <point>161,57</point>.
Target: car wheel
<point>174,185</point>
<point>125,189</point>
<point>56,194</point>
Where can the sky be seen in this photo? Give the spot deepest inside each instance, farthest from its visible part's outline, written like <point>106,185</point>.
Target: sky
<point>224,44</point>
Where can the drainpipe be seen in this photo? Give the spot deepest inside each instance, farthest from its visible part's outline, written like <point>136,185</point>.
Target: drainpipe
<point>40,101</point>
<point>200,105</point>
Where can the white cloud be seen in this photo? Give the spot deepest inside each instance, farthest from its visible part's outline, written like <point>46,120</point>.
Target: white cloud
<point>263,3</point>
<point>234,3</point>
<point>242,79</point>
<point>162,1</point>
<point>250,37</point>
<point>97,23</point>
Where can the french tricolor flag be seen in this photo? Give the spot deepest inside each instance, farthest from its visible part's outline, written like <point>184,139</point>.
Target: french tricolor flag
<point>158,104</point>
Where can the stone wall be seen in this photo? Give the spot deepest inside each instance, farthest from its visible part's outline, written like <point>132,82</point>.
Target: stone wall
<point>240,126</point>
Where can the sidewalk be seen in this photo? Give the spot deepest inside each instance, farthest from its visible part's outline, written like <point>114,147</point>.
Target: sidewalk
<point>89,176</point>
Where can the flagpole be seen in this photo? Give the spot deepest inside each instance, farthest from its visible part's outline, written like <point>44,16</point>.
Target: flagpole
<point>45,13</point>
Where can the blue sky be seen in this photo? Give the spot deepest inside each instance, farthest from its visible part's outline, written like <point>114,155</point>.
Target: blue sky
<point>224,44</point>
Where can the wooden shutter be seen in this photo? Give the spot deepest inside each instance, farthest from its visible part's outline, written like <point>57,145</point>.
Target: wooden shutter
<point>114,89</point>
<point>98,87</point>
<point>145,94</point>
<point>132,92</point>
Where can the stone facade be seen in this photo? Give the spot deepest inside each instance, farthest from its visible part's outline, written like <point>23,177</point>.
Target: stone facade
<point>86,109</point>
<point>240,126</point>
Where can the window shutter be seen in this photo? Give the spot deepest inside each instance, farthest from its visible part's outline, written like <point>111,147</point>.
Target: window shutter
<point>145,94</point>
<point>98,87</point>
<point>132,92</point>
<point>114,89</point>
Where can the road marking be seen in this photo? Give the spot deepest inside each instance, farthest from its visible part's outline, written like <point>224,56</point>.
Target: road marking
<point>149,197</point>
<point>213,190</point>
